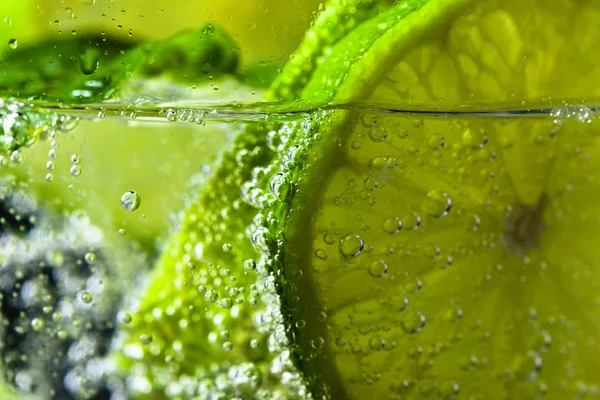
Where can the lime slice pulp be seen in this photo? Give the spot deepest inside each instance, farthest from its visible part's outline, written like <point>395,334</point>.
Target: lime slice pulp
<point>445,255</point>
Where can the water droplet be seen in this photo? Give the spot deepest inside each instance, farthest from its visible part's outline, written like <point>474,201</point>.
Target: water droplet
<point>413,322</point>
<point>37,324</point>
<point>351,245</point>
<point>378,269</point>
<point>13,44</point>
<point>75,170</point>
<point>391,225</point>
<point>87,298</point>
<point>131,200</point>
<point>146,338</point>
<point>226,247</point>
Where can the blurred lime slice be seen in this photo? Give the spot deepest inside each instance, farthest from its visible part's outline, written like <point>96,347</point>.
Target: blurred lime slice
<point>440,256</point>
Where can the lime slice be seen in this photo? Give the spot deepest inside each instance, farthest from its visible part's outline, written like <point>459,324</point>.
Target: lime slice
<point>436,256</point>
<point>367,254</point>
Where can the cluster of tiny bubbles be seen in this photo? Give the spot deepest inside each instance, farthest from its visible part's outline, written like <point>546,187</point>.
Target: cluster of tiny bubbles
<point>582,114</point>
<point>56,295</point>
<point>185,115</point>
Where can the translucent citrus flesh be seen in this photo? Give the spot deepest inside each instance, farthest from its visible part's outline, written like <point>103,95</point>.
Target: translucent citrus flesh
<point>442,257</point>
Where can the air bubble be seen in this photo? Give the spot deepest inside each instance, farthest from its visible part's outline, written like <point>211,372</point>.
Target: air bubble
<point>320,253</point>
<point>454,314</point>
<point>125,318</point>
<point>436,142</point>
<point>87,298</point>
<point>211,296</point>
<point>146,338</point>
<point>411,221</point>
<point>437,204</point>
<point>391,225</point>
<point>227,303</point>
<point>329,238</point>
<point>293,157</point>
<point>377,134</point>
<point>227,346</point>
<point>378,269</point>
<point>131,201</point>
<point>351,245</point>
<point>171,115</point>
<point>475,139</point>
<point>13,44</point>
<point>16,157</point>
<point>75,170</point>
<point>377,343</point>
<point>280,186</point>
<point>413,322</point>
<point>90,257</point>
<point>249,265</point>
<point>37,324</point>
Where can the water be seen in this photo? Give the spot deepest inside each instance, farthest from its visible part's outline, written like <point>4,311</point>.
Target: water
<point>138,174</point>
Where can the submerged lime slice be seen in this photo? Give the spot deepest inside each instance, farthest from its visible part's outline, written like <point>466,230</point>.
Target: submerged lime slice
<point>360,254</point>
<point>442,256</point>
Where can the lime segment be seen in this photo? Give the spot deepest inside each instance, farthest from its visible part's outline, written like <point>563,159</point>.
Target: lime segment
<point>437,255</point>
